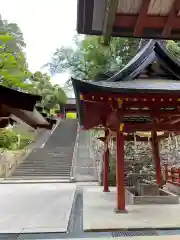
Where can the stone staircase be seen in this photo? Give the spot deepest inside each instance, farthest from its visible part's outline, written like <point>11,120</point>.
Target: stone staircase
<point>54,160</point>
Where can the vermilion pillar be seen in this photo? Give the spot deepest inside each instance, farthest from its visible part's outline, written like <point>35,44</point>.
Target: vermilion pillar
<point>156,156</point>
<point>120,207</point>
<point>106,163</point>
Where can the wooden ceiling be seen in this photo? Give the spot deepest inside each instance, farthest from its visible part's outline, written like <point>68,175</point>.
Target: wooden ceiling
<point>130,18</point>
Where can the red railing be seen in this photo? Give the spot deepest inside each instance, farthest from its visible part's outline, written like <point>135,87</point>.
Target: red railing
<point>172,174</point>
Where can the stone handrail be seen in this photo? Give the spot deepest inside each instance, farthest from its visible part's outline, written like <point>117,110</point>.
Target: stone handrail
<point>73,166</point>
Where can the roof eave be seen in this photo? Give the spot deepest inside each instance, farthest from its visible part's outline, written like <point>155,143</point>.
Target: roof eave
<point>33,119</point>
<point>17,99</point>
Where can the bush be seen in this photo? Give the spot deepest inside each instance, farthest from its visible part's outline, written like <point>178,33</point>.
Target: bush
<point>24,141</point>
<point>11,140</point>
<point>8,139</point>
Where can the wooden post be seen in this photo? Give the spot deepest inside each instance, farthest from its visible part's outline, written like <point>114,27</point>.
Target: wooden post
<point>156,156</point>
<point>106,163</point>
<point>120,173</point>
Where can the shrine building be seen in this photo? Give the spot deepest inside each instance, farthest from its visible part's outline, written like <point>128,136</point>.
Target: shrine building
<point>144,96</point>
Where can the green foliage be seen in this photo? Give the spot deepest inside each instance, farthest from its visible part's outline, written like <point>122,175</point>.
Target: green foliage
<point>52,95</point>
<point>13,66</point>
<point>174,48</point>
<point>13,30</point>
<point>24,141</point>
<point>8,139</point>
<point>89,57</point>
<point>11,140</point>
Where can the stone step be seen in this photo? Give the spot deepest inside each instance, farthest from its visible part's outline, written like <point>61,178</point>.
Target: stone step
<point>42,170</point>
<point>42,174</point>
<point>55,159</point>
<point>37,179</point>
<point>67,159</point>
<point>60,173</point>
<point>41,163</point>
<point>48,170</point>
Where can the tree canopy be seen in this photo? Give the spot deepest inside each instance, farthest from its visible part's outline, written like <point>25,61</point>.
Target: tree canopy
<point>52,95</point>
<point>90,57</point>
<point>14,72</point>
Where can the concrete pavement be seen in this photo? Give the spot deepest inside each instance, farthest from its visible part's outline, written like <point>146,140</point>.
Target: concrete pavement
<point>35,207</point>
<point>99,213</point>
<point>134,238</point>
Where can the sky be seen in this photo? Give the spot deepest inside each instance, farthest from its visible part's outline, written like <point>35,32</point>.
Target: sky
<point>46,25</point>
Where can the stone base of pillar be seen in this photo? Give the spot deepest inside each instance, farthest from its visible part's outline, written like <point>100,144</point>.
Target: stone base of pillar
<point>118,211</point>
<point>106,190</point>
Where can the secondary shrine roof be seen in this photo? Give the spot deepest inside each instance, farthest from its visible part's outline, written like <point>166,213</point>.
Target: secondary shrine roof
<point>15,104</point>
<point>127,18</point>
<point>162,73</point>
<point>129,86</point>
<point>140,84</point>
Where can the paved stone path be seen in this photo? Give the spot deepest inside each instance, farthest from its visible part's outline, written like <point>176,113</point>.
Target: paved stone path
<point>98,206</point>
<point>35,207</point>
<point>75,226</point>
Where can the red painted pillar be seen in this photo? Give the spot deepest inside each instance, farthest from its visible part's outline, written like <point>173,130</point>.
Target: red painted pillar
<point>156,156</point>
<point>120,207</point>
<point>106,163</point>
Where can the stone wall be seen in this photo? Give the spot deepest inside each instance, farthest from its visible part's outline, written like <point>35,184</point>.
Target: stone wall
<point>9,160</point>
<point>138,156</point>
<point>173,188</point>
<point>165,198</point>
<point>156,200</point>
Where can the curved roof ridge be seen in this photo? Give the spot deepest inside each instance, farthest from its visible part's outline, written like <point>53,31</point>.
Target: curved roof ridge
<point>168,60</point>
<point>135,62</point>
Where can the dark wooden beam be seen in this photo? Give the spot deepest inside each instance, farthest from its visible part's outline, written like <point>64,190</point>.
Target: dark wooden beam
<point>172,121</point>
<point>141,21</point>
<point>154,22</point>
<point>146,127</point>
<point>101,96</point>
<point>111,9</point>
<point>148,113</point>
<point>171,18</point>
